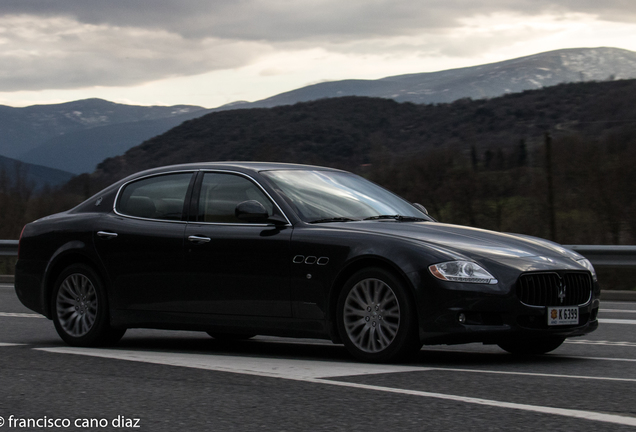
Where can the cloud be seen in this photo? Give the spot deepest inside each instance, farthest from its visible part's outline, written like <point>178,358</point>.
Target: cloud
<point>59,52</point>
<point>288,20</point>
<point>52,44</point>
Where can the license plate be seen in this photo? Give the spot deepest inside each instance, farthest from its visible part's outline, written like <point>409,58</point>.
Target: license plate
<point>563,315</point>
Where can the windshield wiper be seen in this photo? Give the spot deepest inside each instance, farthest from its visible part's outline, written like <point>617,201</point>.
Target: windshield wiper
<point>397,217</point>
<point>334,219</point>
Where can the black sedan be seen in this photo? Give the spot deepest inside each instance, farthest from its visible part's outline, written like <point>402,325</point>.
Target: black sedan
<point>244,249</point>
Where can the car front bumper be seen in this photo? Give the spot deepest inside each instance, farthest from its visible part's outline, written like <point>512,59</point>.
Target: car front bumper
<point>453,316</point>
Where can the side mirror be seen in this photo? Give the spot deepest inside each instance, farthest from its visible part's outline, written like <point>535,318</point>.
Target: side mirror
<point>421,208</point>
<point>251,211</point>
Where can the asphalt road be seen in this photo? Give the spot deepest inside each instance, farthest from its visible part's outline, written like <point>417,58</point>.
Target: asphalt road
<point>187,381</point>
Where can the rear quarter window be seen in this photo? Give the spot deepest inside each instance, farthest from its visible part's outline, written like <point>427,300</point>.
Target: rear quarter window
<point>159,197</point>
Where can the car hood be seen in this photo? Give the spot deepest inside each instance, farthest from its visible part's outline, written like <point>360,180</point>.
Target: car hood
<point>476,243</point>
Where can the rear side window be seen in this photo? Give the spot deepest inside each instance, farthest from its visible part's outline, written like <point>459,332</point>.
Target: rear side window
<point>160,197</point>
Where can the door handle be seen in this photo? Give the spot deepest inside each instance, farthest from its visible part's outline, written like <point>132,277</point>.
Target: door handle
<point>106,235</point>
<point>198,239</point>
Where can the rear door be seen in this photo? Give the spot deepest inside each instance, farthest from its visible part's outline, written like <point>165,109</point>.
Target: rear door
<point>141,242</point>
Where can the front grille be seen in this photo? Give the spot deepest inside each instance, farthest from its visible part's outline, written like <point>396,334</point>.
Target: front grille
<point>552,289</point>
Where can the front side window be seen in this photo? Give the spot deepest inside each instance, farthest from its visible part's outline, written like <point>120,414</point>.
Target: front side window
<point>221,193</point>
<point>159,197</point>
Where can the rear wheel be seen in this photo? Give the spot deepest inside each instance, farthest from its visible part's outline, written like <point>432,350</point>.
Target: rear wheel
<point>80,308</point>
<point>376,319</point>
<point>531,346</point>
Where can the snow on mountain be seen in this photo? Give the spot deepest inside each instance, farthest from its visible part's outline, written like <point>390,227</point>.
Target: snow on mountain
<point>489,80</point>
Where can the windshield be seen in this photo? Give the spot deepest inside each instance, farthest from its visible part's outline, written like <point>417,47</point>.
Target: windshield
<point>324,196</point>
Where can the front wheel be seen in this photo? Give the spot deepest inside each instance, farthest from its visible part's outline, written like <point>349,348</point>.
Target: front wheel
<point>529,347</point>
<point>80,308</point>
<point>376,318</point>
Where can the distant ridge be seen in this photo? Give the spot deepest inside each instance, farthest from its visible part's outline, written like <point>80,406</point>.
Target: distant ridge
<point>37,175</point>
<point>476,82</point>
<point>81,151</point>
<point>75,136</point>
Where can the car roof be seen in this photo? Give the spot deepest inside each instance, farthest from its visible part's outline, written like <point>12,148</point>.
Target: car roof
<point>230,165</point>
<point>243,167</point>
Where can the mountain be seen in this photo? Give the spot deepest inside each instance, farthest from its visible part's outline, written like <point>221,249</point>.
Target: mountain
<point>37,175</point>
<point>81,151</point>
<point>485,81</point>
<point>350,132</point>
<point>75,136</point>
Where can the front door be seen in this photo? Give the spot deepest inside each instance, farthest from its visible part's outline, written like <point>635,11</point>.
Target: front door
<point>233,267</point>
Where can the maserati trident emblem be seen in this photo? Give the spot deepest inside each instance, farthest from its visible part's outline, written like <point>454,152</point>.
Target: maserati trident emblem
<point>561,291</point>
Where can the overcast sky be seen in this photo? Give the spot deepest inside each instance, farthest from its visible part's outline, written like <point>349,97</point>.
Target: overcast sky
<point>212,52</point>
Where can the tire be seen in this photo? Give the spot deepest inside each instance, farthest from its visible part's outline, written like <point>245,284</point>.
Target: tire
<point>376,318</point>
<point>230,336</point>
<point>528,347</point>
<point>80,308</point>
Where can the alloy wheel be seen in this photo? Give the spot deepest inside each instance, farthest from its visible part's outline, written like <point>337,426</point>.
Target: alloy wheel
<point>371,315</point>
<point>76,305</point>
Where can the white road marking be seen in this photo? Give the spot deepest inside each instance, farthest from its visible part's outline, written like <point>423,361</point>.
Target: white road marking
<point>621,303</point>
<point>312,371</point>
<point>551,355</point>
<point>534,374</point>
<point>4,344</point>
<point>585,415</point>
<point>600,342</point>
<point>600,358</point>
<point>616,321</point>
<point>269,367</point>
<point>617,310</point>
<point>21,315</point>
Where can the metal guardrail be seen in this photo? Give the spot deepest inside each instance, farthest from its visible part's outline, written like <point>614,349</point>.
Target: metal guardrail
<point>601,256</point>
<point>607,256</point>
<point>8,248</point>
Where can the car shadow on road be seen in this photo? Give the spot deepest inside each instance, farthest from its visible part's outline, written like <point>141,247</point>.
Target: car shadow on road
<point>322,350</point>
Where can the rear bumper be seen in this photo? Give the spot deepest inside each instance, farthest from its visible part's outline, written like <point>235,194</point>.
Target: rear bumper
<point>28,284</point>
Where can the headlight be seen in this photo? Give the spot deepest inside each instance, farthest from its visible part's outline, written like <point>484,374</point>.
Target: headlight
<point>462,271</point>
<point>588,265</point>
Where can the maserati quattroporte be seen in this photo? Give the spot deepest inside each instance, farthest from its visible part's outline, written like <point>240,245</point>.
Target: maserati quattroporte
<point>244,249</point>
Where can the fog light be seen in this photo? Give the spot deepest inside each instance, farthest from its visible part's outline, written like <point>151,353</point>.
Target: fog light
<point>461,318</point>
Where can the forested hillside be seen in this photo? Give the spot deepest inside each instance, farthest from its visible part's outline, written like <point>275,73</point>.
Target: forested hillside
<point>352,131</point>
